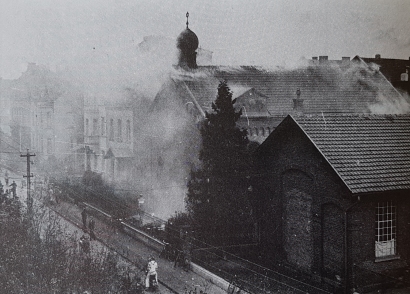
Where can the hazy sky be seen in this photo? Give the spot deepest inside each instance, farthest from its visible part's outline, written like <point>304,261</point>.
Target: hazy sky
<point>260,32</point>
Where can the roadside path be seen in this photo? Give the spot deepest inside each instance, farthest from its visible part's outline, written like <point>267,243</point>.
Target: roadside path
<point>175,279</point>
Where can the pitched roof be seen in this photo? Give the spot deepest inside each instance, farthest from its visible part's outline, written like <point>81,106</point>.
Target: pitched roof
<point>370,153</point>
<point>331,88</point>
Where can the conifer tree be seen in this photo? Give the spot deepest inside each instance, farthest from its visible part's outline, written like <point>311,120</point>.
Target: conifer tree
<point>217,197</point>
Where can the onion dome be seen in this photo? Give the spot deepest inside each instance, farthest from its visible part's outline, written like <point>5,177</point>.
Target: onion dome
<point>187,41</point>
<point>187,44</point>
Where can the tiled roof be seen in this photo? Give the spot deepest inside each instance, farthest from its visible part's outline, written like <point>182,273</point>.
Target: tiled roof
<point>371,153</point>
<point>351,88</point>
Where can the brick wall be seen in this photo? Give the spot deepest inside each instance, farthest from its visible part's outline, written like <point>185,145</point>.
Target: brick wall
<point>302,216</point>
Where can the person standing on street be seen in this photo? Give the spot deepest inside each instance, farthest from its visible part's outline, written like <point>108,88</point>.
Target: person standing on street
<point>14,189</point>
<point>91,226</point>
<point>151,280</point>
<point>84,218</point>
<point>6,178</point>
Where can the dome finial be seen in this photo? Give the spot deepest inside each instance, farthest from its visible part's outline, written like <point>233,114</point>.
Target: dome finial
<point>187,15</point>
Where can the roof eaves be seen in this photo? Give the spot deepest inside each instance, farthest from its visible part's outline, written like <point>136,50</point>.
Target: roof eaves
<point>324,156</point>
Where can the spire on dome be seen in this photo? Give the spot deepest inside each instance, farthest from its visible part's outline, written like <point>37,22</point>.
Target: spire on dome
<point>187,44</point>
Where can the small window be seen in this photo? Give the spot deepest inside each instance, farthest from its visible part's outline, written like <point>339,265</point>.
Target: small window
<point>385,244</point>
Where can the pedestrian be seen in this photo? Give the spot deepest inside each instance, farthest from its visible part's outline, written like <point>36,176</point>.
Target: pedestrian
<point>14,189</point>
<point>91,226</point>
<point>151,280</point>
<point>1,188</point>
<point>6,178</point>
<point>84,244</point>
<point>84,218</point>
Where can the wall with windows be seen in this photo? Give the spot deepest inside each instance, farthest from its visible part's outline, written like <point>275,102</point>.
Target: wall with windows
<point>108,132</point>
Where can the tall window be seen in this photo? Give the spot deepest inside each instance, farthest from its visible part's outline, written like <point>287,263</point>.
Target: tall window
<point>95,127</point>
<point>86,126</point>
<point>48,119</point>
<point>119,134</point>
<point>102,126</point>
<point>385,229</point>
<point>49,146</point>
<point>128,131</point>
<point>111,135</point>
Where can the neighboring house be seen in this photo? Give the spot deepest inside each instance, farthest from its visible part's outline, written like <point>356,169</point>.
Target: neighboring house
<point>395,70</point>
<point>109,142</point>
<point>333,198</point>
<point>43,113</point>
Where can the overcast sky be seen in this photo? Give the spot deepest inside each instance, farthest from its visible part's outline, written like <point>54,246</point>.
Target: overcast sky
<point>260,32</point>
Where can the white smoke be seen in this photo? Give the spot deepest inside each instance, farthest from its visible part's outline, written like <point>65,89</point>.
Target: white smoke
<point>387,105</point>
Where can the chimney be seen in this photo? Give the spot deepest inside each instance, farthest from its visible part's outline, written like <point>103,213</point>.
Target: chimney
<point>378,56</point>
<point>298,102</point>
<point>315,58</point>
<point>404,77</point>
<point>323,58</point>
<point>345,58</point>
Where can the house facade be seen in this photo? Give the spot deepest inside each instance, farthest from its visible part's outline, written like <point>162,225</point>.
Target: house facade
<point>109,142</point>
<point>333,198</point>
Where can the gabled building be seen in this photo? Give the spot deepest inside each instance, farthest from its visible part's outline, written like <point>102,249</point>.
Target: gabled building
<point>333,198</point>
<point>266,96</point>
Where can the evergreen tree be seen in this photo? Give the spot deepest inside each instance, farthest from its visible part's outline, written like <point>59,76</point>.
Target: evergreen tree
<point>217,197</point>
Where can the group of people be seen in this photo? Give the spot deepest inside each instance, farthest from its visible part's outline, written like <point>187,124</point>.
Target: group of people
<point>5,191</point>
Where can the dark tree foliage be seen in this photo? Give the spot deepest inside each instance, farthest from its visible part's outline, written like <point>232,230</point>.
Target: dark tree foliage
<point>37,255</point>
<point>217,197</point>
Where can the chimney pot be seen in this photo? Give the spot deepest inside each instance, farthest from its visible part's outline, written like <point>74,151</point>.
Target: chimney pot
<point>297,102</point>
<point>378,56</point>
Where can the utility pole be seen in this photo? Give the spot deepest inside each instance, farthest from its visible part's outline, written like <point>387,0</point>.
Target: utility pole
<point>28,176</point>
